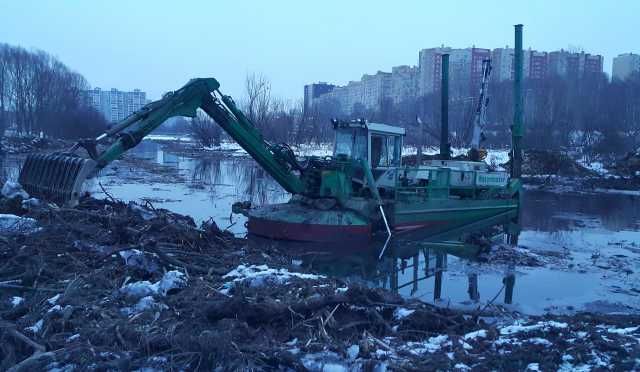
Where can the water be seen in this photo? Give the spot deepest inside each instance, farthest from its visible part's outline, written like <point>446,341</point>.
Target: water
<point>590,244</point>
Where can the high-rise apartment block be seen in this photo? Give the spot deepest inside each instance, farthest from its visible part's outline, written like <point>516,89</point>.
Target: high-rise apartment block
<point>625,65</point>
<point>114,104</point>
<point>465,72</point>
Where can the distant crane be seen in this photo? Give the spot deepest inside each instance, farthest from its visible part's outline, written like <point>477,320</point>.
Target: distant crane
<point>480,118</point>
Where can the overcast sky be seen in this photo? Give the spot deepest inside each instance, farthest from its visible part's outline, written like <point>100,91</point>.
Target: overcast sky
<point>158,45</point>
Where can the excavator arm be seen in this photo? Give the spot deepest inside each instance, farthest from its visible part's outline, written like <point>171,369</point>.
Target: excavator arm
<point>59,177</point>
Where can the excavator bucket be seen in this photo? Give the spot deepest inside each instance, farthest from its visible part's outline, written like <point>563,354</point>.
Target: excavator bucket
<point>56,178</point>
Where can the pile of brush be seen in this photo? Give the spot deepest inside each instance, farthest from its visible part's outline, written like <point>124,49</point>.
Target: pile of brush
<point>115,286</point>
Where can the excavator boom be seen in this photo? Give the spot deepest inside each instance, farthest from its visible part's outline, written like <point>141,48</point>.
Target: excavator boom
<point>59,177</point>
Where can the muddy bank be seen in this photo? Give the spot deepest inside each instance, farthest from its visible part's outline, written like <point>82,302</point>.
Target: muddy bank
<point>109,285</point>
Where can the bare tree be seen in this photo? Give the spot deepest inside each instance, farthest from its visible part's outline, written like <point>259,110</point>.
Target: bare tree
<point>258,101</point>
<point>39,94</point>
<point>205,130</point>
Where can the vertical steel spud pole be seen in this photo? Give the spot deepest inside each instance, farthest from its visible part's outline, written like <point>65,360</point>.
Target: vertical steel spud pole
<point>517,129</point>
<point>444,109</point>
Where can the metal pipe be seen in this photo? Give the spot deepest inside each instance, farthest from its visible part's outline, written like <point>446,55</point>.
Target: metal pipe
<point>517,130</point>
<point>444,109</point>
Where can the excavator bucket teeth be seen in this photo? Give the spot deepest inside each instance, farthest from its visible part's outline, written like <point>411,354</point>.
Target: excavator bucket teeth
<point>55,177</point>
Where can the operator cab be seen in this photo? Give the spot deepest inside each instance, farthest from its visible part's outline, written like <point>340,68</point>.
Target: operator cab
<point>379,144</point>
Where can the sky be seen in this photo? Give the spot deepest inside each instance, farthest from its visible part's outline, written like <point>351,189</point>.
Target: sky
<point>159,45</point>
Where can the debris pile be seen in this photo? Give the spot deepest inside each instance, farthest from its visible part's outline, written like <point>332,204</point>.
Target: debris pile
<point>629,165</point>
<point>26,145</point>
<point>548,162</point>
<point>115,286</point>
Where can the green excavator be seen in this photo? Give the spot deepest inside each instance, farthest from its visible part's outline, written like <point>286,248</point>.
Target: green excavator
<point>361,190</point>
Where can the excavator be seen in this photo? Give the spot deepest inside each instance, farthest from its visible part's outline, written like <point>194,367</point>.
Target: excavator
<point>360,191</point>
<point>59,177</point>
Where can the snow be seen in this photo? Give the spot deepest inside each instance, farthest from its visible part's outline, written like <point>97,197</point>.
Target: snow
<point>540,341</point>
<point>462,366</point>
<point>169,137</point>
<point>260,275</point>
<point>170,280</point>
<point>73,337</point>
<point>544,326</point>
<point>594,166</point>
<point>36,327</point>
<point>432,345</point>
<point>623,331</point>
<point>616,191</point>
<point>353,351</point>
<point>324,361</point>
<point>31,202</point>
<point>15,301</point>
<point>145,303</point>
<point>476,334</point>
<point>54,299</point>
<point>10,223</point>
<point>401,312</point>
<point>342,289</point>
<point>57,367</point>
<point>12,189</point>
<point>533,367</point>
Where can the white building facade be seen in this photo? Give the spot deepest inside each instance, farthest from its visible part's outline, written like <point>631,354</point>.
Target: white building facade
<point>114,104</point>
<point>625,65</point>
<point>465,75</point>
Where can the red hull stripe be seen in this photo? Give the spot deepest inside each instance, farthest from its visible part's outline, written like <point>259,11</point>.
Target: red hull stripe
<point>308,232</point>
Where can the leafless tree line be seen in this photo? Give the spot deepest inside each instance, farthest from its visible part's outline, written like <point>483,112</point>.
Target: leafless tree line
<point>39,94</point>
<point>277,119</point>
<point>591,114</point>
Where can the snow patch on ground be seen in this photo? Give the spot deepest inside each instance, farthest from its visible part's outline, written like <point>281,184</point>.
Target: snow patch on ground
<point>12,189</point>
<point>476,334</point>
<point>623,331</point>
<point>54,299</point>
<point>540,341</point>
<point>12,224</point>
<point>544,326</point>
<point>431,345</point>
<point>401,312</point>
<point>325,362</point>
<point>170,137</point>
<point>170,280</point>
<point>353,351</point>
<point>594,166</point>
<point>260,275</point>
<point>145,303</point>
<point>533,367</point>
<point>36,327</point>
<point>16,301</point>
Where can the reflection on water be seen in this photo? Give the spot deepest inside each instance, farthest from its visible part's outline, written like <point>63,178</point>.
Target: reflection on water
<point>434,274</point>
<point>204,188</point>
<point>582,226</point>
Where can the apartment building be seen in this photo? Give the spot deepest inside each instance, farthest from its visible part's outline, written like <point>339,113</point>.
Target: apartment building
<point>465,75</point>
<point>114,104</point>
<point>625,65</point>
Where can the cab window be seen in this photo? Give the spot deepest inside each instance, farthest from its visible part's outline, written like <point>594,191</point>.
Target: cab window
<point>351,142</point>
<point>379,151</point>
<point>385,151</point>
